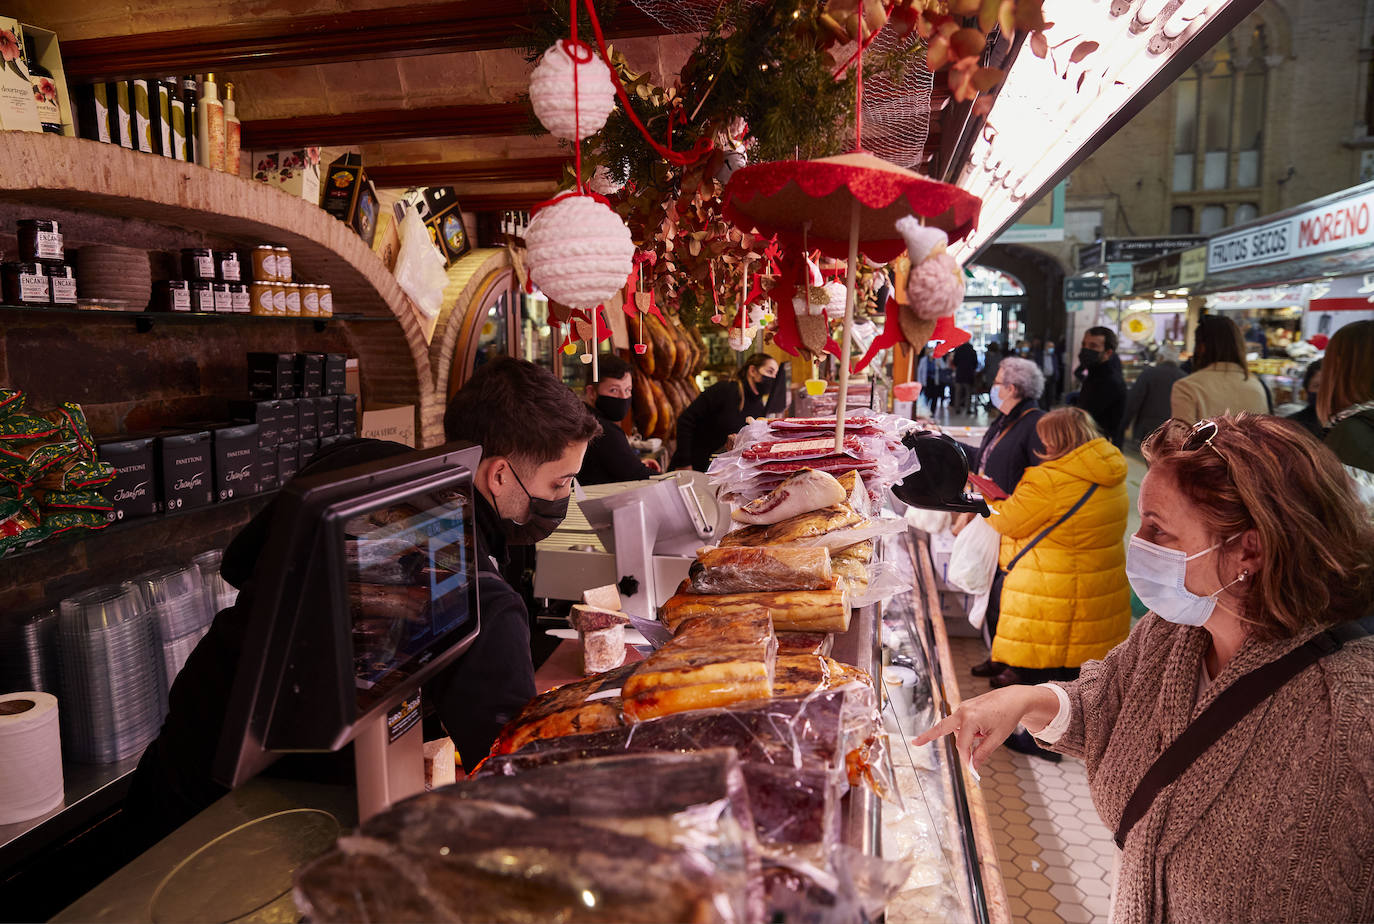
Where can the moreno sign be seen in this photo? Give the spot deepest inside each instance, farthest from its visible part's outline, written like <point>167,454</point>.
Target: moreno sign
<point>1342,223</point>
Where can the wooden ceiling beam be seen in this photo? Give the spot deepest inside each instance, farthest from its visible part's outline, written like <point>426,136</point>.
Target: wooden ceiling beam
<point>501,202</point>
<point>506,170</point>
<point>449,27</point>
<point>378,125</point>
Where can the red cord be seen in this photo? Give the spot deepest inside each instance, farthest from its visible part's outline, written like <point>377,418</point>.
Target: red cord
<point>680,159</point>
<point>577,105</point>
<point>858,88</point>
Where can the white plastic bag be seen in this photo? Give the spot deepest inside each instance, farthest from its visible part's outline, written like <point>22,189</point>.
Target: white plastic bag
<point>419,266</point>
<point>973,561</point>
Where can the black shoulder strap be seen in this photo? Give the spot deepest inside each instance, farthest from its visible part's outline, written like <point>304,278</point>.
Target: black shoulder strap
<point>1052,527</point>
<point>1233,704</point>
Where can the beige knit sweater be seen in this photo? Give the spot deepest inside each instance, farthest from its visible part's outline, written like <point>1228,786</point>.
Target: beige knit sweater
<point>1275,822</point>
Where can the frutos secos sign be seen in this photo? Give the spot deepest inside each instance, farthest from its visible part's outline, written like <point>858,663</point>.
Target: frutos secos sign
<point>1337,225</point>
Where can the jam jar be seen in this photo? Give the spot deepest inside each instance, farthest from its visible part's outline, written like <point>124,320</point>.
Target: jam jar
<point>230,270</point>
<point>264,263</point>
<point>202,296</point>
<point>25,284</point>
<point>198,264</point>
<point>174,295</point>
<point>62,283</point>
<point>40,241</point>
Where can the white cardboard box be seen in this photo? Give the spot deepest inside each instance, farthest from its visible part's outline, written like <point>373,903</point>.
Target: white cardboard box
<point>18,112</point>
<point>390,422</point>
<point>296,171</point>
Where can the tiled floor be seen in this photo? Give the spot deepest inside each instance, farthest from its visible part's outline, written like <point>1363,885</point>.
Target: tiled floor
<point>1055,853</point>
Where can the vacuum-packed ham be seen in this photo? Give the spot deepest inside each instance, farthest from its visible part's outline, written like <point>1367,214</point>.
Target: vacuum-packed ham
<point>800,610</point>
<point>802,492</point>
<point>805,526</point>
<point>745,569</point>
<point>805,448</point>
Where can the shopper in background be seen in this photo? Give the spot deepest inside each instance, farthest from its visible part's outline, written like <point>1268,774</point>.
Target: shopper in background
<point>1064,597</point>
<point>1220,382</point>
<point>1251,543</point>
<point>609,456</point>
<point>1102,392</point>
<point>1010,446</point>
<point>1346,401</point>
<point>1148,403</point>
<point>1051,364</point>
<point>721,411</point>
<point>965,360</point>
<point>1311,388</point>
<point>992,358</point>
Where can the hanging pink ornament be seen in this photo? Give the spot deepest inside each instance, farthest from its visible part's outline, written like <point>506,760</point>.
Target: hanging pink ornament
<point>578,252</point>
<point>569,115</point>
<point>641,348</point>
<point>935,285</point>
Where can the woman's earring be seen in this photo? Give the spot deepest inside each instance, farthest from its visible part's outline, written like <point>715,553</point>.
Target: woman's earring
<point>1245,573</point>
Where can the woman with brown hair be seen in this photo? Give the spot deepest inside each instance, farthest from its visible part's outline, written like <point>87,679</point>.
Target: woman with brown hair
<point>719,412</point>
<point>1346,400</point>
<point>1064,598</point>
<point>1230,740</point>
<point>1221,382</point>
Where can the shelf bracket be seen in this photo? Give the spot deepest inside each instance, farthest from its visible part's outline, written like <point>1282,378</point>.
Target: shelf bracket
<point>143,324</point>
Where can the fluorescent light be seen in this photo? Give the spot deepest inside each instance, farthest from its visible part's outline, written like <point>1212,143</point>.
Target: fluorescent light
<point>1043,122</point>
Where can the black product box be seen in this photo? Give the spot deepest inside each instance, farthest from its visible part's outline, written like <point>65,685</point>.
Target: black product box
<point>134,489</point>
<point>335,373</point>
<point>267,468</point>
<point>327,415</point>
<point>444,218</point>
<point>310,375</point>
<point>348,416</point>
<point>236,461</point>
<point>350,196</point>
<point>186,469</point>
<point>327,441</point>
<point>308,423</point>
<point>271,375</point>
<point>290,425</point>
<point>306,450</point>
<point>267,415</point>
<point>288,462</point>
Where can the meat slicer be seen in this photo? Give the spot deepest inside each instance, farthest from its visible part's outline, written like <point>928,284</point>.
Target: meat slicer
<point>939,483</point>
<point>639,535</point>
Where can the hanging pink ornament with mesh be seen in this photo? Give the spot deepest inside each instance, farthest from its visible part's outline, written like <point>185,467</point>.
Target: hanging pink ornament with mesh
<point>568,108</point>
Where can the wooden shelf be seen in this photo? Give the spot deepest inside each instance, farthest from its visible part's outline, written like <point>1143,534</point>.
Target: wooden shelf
<point>41,170</point>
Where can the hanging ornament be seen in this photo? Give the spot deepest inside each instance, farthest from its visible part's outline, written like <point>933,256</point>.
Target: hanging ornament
<point>568,113</point>
<point>579,251</point>
<point>935,286</point>
<point>741,338</point>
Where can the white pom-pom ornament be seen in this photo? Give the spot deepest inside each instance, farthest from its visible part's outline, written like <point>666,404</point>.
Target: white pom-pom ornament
<point>827,300</point>
<point>552,97</point>
<point>740,340</point>
<point>579,252</point>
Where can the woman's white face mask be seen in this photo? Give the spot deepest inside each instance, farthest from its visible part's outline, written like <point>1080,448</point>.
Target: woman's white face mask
<point>1157,576</point>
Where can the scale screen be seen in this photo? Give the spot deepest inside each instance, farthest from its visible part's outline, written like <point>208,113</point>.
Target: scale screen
<point>410,591</point>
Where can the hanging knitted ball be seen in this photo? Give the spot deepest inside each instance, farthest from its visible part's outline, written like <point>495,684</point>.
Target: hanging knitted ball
<point>551,91</point>
<point>834,301</point>
<point>935,285</point>
<point>740,340</point>
<point>825,300</point>
<point>578,252</point>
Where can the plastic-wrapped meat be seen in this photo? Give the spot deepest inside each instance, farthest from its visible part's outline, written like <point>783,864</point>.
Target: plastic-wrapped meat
<point>810,448</point>
<point>800,493</point>
<point>791,610</point>
<point>795,643</point>
<point>832,463</point>
<point>746,569</point>
<point>590,705</point>
<point>570,843</point>
<point>804,526</point>
<point>700,673</point>
<point>854,423</point>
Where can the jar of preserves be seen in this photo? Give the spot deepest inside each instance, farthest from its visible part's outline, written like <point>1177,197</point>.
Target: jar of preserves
<point>198,264</point>
<point>25,284</point>
<point>240,300</point>
<point>310,301</point>
<point>326,301</point>
<point>293,299</point>
<point>283,264</point>
<point>230,270</point>
<point>261,302</point>
<point>202,296</point>
<point>62,283</point>
<point>223,302</point>
<point>40,241</point>
<point>174,295</point>
<point>264,263</point>
<point>279,299</point>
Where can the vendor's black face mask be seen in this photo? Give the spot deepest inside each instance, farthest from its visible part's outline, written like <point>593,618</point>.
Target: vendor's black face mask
<point>544,517</point>
<point>765,385</point>
<point>613,408</point>
<point>1089,357</point>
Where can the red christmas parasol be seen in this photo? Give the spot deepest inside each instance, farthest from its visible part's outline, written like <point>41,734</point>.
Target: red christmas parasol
<point>843,206</point>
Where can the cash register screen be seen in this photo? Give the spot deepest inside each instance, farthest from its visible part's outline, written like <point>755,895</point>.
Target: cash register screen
<point>409,587</point>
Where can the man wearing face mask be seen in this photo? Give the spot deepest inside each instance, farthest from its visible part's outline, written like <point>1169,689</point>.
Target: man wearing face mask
<point>610,457</point>
<point>1103,390</point>
<point>533,432</point>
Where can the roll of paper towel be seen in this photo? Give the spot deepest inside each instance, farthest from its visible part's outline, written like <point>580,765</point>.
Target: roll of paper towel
<point>30,756</point>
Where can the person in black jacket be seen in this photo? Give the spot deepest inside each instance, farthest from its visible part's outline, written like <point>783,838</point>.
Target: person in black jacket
<point>720,411</point>
<point>1103,390</point>
<point>521,486</point>
<point>609,456</point>
<point>1311,387</point>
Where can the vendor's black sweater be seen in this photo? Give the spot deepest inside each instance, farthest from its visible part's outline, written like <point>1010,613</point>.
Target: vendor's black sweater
<point>717,413</point>
<point>610,457</point>
<point>475,696</point>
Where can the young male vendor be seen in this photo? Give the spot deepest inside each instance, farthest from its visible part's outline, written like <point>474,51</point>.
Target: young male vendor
<point>610,457</point>
<point>533,432</point>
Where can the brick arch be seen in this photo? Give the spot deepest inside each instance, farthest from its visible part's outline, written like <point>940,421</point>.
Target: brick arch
<point>469,280</point>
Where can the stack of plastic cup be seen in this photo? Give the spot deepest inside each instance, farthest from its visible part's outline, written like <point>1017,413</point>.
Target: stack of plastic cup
<point>28,653</point>
<point>181,613</point>
<point>110,675</point>
<point>218,592</point>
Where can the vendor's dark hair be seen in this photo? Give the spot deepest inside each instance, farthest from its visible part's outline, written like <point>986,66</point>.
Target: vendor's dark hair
<point>753,362</point>
<point>1218,340</point>
<point>609,367</point>
<point>516,409</point>
<point>1108,336</point>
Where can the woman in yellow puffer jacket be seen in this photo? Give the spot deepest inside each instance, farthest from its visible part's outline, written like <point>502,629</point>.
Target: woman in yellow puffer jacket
<point>1066,600</point>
